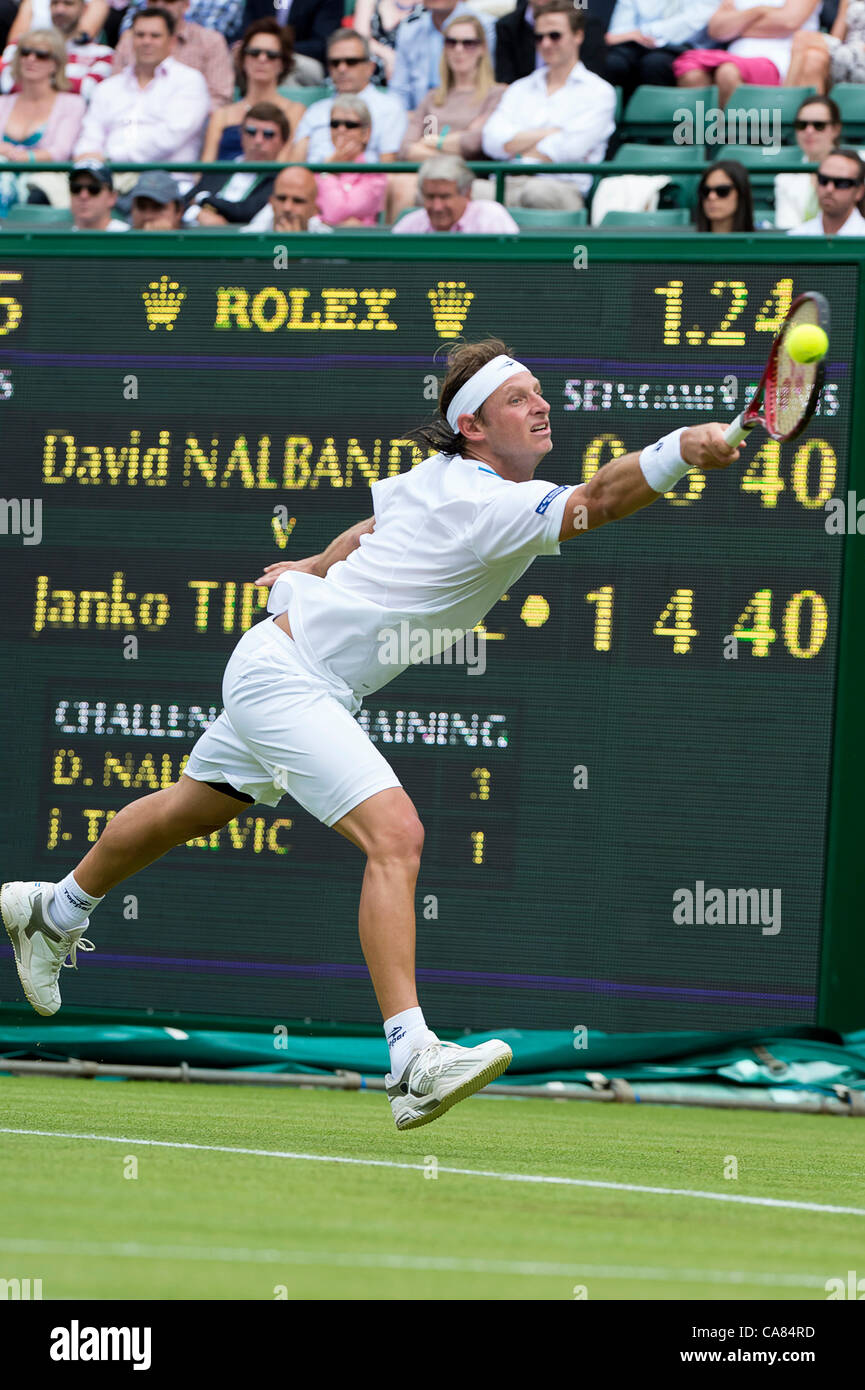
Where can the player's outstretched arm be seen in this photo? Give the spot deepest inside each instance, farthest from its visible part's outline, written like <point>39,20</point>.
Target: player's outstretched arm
<point>621,486</point>
<point>320,564</point>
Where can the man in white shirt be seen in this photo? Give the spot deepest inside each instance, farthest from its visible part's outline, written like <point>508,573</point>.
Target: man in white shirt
<point>351,67</point>
<point>447,539</point>
<point>558,114</point>
<point>840,185</point>
<point>156,109</point>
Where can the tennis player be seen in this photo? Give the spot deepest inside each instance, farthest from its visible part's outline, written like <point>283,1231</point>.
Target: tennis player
<point>447,539</point>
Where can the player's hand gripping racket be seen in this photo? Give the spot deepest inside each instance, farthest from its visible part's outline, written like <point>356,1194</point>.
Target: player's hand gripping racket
<point>788,392</point>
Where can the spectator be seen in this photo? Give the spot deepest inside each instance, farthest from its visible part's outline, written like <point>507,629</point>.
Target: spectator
<point>92,198</point>
<point>197,47</point>
<point>157,203</point>
<point>818,131</point>
<point>516,55</point>
<point>377,21</point>
<point>351,68</point>
<point>839,56</point>
<point>350,200</point>
<point>224,17</point>
<point>311,21</point>
<point>155,109</point>
<point>450,119</point>
<point>760,50</point>
<point>561,112</point>
<point>86,63</point>
<point>840,183</point>
<point>263,60</point>
<point>724,201</point>
<point>445,186</point>
<point>419,45</point>
<point>645,36</point>
<point>40,120</point>
<point>292,206</point>
<point>220,200</point>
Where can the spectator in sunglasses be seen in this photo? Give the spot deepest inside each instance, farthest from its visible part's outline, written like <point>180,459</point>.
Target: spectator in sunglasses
<point>840,185</point>
<point>818,131</point>
<point>560,113</point>
<point>419,44</point>
<point>348,199</point>
<point>451,118</point>
<point>92,197</point>
<point>87,64</point>
<point>311,21</point>
<point>263,61</point>
<point>724,201</point>
<point>350,67</point>
<point>220,200</point>
<point>40,121</point>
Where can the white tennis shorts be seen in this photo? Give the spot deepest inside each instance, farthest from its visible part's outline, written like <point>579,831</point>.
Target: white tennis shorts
<point>286,728</point>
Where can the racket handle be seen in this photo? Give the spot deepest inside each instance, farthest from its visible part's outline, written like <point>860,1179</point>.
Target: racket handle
<point>735,433</point>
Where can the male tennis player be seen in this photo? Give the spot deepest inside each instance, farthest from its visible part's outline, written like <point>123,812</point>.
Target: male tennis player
<point>447,539</point>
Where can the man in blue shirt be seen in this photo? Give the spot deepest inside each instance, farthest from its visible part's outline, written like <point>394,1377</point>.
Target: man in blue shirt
<point>645,36</point>
<point>419,44</point>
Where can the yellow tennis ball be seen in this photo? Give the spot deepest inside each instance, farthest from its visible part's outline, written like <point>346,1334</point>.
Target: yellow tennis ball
<point>807,343</point>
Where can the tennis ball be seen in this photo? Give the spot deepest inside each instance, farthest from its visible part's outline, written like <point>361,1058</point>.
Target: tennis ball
<point>807,343</point>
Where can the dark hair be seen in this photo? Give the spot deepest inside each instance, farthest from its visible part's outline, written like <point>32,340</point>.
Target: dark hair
<point>277,31</point>
<point>853,156</point>
<point>269,111</point>
<point>463,360</point>
<point>743,218</point>
<point>831,106</point>
<point>576,20</point>
<point>154,12</point>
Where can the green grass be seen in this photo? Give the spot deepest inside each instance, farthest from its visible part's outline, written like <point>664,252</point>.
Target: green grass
<point>240,1225</point>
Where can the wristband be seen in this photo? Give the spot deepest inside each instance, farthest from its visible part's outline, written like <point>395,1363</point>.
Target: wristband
<point>662,463</point>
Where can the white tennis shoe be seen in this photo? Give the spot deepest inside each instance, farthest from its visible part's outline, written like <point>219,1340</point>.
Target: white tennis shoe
<point>440,1075</point>
<point>40,947</point>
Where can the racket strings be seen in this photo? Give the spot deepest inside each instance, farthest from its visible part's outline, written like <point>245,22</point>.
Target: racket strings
<point>791,384</point>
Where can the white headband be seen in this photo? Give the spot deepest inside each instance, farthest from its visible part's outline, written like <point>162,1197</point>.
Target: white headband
<point>472,395</point>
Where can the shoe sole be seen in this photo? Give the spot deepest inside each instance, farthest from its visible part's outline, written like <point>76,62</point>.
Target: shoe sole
<point>462,1092</point>
<point>13,933</point>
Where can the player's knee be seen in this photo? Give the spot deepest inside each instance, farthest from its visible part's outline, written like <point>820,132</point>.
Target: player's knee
<point>402,838</point>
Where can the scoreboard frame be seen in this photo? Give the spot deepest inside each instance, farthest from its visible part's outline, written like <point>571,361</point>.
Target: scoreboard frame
<point>842,953</point>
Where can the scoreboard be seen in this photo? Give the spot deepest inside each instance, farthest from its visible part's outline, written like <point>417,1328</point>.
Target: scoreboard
<point>627,804</point>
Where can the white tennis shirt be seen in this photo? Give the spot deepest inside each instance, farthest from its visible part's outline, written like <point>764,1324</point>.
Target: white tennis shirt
<point>450,537</point>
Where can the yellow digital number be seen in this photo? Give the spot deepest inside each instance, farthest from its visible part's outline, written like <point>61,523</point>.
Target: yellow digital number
<point>827,475</point>
<point>672,312</point>
<point>593,457</point>
<point>724,336</point>
<point>677,616</point>
<point>763,473</point>
<point>696,483</point>
<point>776,308</point>
<point>755,623</point>
<point>602,638</point>
<point>819,614</point>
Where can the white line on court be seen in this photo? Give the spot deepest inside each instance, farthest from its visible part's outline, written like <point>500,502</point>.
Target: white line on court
<point>447,1264</point>
<point>459,1172</point>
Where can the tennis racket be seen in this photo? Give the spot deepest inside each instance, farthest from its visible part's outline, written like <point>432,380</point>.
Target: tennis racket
<point>788,392</point>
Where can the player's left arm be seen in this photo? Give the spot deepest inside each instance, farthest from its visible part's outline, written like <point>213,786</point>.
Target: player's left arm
<point>620,488</point>
<point>338,549</point>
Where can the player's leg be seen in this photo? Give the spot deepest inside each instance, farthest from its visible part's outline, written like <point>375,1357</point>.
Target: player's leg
<point>46,921</point>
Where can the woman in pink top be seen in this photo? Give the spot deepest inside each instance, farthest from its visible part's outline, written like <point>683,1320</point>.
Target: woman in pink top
<point>40,123</point>
<point>350,200</point>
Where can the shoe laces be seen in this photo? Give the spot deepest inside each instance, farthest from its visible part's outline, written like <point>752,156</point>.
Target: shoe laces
<point>82,943</point>
<point>434,1065</point>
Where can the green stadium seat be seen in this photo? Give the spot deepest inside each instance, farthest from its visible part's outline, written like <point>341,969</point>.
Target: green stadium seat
<point>651,113</point>
<point>548,217</point>
<point>37,215</point>
<point>305,95</point>
<point>663,217</point>
<point>850,97</point>
<point>661,159</point>
<point>749,99</point>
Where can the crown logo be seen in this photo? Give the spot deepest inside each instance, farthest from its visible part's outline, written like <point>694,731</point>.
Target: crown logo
<point>450,302</point>
<point>162,301</point>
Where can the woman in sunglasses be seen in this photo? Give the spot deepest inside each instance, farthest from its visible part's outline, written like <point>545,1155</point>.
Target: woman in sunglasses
<point>724,202</point>
<point>264,59</point>
<point>450,119</point>
<point>349,199</point>
<point>818,131</point>
<point>39,122</point>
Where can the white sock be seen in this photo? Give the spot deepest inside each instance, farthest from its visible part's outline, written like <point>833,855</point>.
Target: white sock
<point>71,906</point>
<point>406,1034</point>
